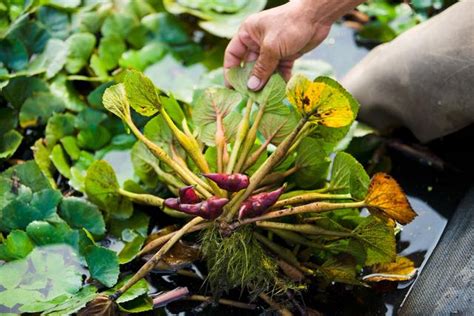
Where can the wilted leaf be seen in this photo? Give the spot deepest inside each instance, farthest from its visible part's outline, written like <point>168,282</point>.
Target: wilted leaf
<point>102,189</point>
<point>324,100</point>
<point>378,239</point>
<point>115,100</point>
<point>349,176</point>
<point>17,245</point>
<point>181,254</point>
<point>272,93</point>
<point>79,213</point>
<point>403,269</point>
<point>386,196</point>
<point>141,93</point>
<point>340,269</point>
<point>9,143</point>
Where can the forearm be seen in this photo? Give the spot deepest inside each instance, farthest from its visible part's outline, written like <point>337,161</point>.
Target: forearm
<point>327,12</point>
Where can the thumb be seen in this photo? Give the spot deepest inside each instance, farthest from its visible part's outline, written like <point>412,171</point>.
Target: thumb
<point>264,67</point>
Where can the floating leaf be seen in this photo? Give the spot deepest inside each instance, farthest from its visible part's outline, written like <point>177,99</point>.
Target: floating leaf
<point>29,175</point>
<point>79,213</point>
<point>103,265</point>
<point>378,239</point>
<point>70,146</point>
<point>102,189</point>
<point>20,89</point>
<point>214,103</point>
<point>38,108</point>
<point>403,269</point>
<point>9,143</point>
<point>45,233</point>
<point>139,288</point>
<point>140,304</point>
<point>73,304</point>
<point>93,137</point>
<point>146,56</point>
<point>272,93</point>
<point>59,126</point>
<point>60,161</point>
<point>115,100</point>
<point>131,249</point>
<point>13,54</point>
<point>141,93</point>
<point>80,46</point>
<point>110,50</point>
<point>324,100</point>
<point>52,59</point>
<point>387,198</point>
<point>17,245</point>
<point>349,176</point>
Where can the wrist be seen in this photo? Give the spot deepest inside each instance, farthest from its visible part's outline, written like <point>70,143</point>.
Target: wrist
<point>324,12</point>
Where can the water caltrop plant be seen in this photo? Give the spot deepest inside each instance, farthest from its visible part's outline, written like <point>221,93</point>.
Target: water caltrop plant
<point>258,178</point>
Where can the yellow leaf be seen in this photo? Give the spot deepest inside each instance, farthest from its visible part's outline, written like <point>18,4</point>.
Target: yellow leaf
<point>386,198</point>
<point>403,269</point>
<point>324,100</point>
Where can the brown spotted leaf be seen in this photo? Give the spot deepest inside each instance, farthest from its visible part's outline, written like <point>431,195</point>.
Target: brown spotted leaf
<point>385,197</point>
<point>403,269</point>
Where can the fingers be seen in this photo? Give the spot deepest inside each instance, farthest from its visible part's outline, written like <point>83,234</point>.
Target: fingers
<point>235,52</point>
<point>264,67</point>
<point>285,68</point>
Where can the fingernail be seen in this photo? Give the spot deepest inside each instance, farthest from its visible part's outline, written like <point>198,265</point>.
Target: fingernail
<point>253,83</point>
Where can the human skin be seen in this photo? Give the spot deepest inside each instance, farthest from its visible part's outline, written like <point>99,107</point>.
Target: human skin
<point>275,38</point>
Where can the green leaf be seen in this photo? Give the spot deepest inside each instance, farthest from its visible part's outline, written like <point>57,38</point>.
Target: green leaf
<point>60,161</point>
<point>32,34</point>
<point>59,126</point>
<point>73,304</point>
<point>138,222</point>
<point>38,108</point>
<point>144,57</point>
<point>214,103</point>
<point>102,189</point>
<point>110,50</point>
<point>45,233</point>
<point>93,138</point>
<point>79,213</point>
<point>29,207</point>
<point>115,100</point>
<point>52,59</point>
<point>20,89</point>
<point>378,239</point>
<point>80,46</point>
<point>272,93</point>
<point>340,269</point>
<point>131,249</point>
<point>349,246</point>
<point>312,163</point>
<point>140,304</point>
<point>8,119</point>
<point>103,265</point>
<point>118,24</point>
<point>141,93</point>
<point>47,273</point>
<point>63,4</point>
<point>13,54</point>
<point>9,143</point>
<point>70,146</point>
<point>145,164</point>
<point>55,21</point>
<point>17,245</point>
<point>28,174</point>
<point>278,121</point>
<point>349,176</point>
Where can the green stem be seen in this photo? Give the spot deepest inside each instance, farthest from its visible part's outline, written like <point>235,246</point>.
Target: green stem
<point>146,199</point>
<point>303,228</point>
<point>263,170</point>
<point>241,133</point>
<point>250,139</point>
<point>185,174</point>
<point>256,154</point>
<point>277,177</point>
<point>310,197</point>
<point>220,143</point>
<point>316,207</point>
<point>295,238</point>
<point>150,264</point>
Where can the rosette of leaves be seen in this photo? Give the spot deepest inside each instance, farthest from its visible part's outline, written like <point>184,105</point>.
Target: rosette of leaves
<point>323,219</point>
<point>221,18</point>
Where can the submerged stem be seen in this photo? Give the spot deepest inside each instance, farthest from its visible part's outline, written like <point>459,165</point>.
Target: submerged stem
<point>223,301</point>
<point>150,264</point>
<point>241,133</point>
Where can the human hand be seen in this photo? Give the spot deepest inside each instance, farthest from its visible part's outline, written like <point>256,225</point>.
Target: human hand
<point>275,38</point>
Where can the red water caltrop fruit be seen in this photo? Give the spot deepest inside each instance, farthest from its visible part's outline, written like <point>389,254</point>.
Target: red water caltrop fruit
<point>172,203</point>
<point>230,182</point>
<point>210,209</point>
<point>258,204</point>
<point>188,195</point>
